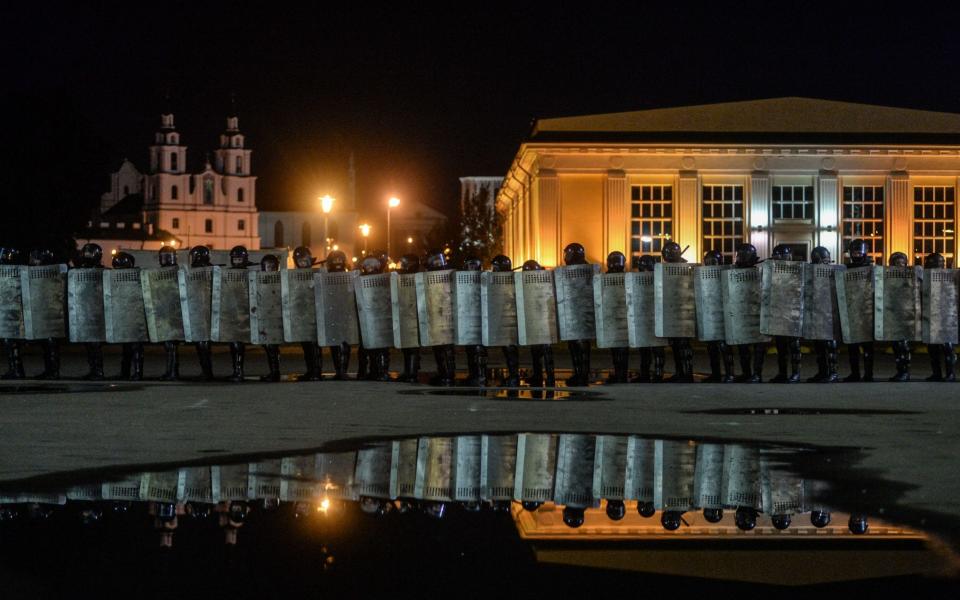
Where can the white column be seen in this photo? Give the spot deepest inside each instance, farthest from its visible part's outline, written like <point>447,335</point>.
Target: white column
<point>828,230</point>
<point>898,214</point>
<point>686,220</point>
<point>759,211</point>
<point>548,200</point>
<point>616,206</point>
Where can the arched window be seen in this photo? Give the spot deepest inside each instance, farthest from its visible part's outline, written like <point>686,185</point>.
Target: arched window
<point>173,161</point>
<point>174,192</point>
<point>239,194</point>
<point>208,191</point>
<point>239,165</point>
<point>278,235</point>
<point>305,233</point>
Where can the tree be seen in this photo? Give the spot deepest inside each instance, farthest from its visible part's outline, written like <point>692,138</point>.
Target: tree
<point>481,229</point>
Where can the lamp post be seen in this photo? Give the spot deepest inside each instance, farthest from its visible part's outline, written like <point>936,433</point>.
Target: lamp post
<point>392,203</point>
<point>326,205</point>
<point>365,232</point>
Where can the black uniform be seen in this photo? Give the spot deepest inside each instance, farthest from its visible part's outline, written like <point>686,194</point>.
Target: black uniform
<point>901,348</point>
<point>312,354</point>
<point>859,258</point>
<point>718,350</point>
<point>542,354</point>
<point>168,258</point>
<point>476,354</point>
<point>13,347</point>
<point>199,258</point>
<point>617,263</point>
<point>410,264</point>
<point>940,354</point>
<point>751,372</point>
<point>575,254</point>
<point>654,357</point>
<point>239,259</point>
<point>271,264</point>
<point>826,350</point>
<point>682,350</point>
<point>788,347</point>
<point>131,359</point>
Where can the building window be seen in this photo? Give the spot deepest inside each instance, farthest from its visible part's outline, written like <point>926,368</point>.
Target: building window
<point>241,225</point>
<point>651,219</point>
<point>792,202</point>
<point>174,192</point>
<point>723,219</point>
<point>863,218</point>
<point>239,165</point>
<point>175,223</point>
<point>933,221</point>
<point>239,194</point>
<point>278,235</point>
<point>208,225</point>
<point>173,161</point>
<point>208,191</point>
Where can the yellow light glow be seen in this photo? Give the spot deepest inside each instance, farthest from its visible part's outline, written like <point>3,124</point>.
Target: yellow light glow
<point>326,204</point>
<point>409,240</point>
<point>114,252</point>
<point>336,247</point>
<point>324,505</point>
<point>365,230</point>
<point>646,239</point>
<point>393,202</point>
<point>354,259</point>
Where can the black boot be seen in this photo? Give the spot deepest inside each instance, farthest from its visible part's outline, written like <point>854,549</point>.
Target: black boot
<point>686,355</point>
<point>472,366</point>
<point>796,358</point>
<point>783,359</point>
<point>51,359</point>
<point>833,362</point>
<point>678,374</point>
<point>619,358</point>
<point>727,353</point>
<point>759,353</point>
<point>644,375</point>
<point>173,361</point>
<point>136,362</point>
<point>585,375</point>
<point>450,358</point>
<point>511,354</point>
<point>901,353</point>
<point>819,348</point>
<point>237,350</point>
<point>383,364</point>
<point>659,362</point>
<point>713,352</point>
<point>126,356</point>
<point>854,376</point>
<point>205,357</point>
<point>550,379</point>
<point>576,360</point>
<point>14,361</point>
<point>312,362</point>
<point>341,360</point>
<point>746,368</point>
<point>867,361</point>
<point>94,361</point>
<point>273,363</point>
<point>536,375</point>
<point>363,363</point>
<point>949,362</point>
<point>480,367</point>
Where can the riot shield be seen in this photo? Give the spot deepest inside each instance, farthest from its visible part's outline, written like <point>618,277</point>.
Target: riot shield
<point>299,305</point>
<point>11,302</point>
<point>641,315</point>
<point>123,310</point>
<point>434,458</point>
<point>940,306</point>
<point>229,482</point>
<point>536,308</point>
<point>674,301</point>
<point>821,312</point>
<point>741,306</point>
<point>708,476</point>
<point>575,318</point>
<point>335,472</point>
<point>298,479</point>
<point>896,303</point>
<point>498,309</point>
<point>125,490</point>
<point>85,305</point>
<point>89,492</point>
<point>266,308</point>
<point>44,294</point>
<point>855,300</point>
<point>466,308</point>
<point>536,466</point>
<point>194,484</point>
<point>782,491</point>
<point>374,310</point>
<point>498,464</point>
<point>160,486</point>
<point>574,478</point>
<point>610,467</point>
<point>265,479</point>
<point>403,468</point>
<point>161,302</point>
<point>741,476</point>
<point>335,298</point>
<point>403,304</point>
<point>638,481</point>
<point>708,290</point>
<point>435,307</point>
<point>781,298</point>
<point>465,474</point>
<point>610,310</point>
<point>372,477</point>
<point>230,301</point>
<point>196,292</point>
<point>673,475</point>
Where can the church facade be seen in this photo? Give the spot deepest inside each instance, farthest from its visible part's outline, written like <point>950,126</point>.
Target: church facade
<point>798,171</point>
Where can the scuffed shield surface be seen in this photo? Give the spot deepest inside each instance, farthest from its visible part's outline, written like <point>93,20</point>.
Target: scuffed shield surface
<point>536,308</point>
<point>299,305</point>
<point>641,314</point>
<point>574,285</point>
<point>741,306</point>
<point>403,468</point>
<point>373,306</point>
<point>821,311</point>
<point>373,471</point>
<point>466,308</point>
<point>536,467</point>
<point>161,301</point>
<point>498,464</point>
<point>11,302</point>
<point>465,477</point>
<point>708,291</point>
<point>781,298</point>
<point>403,302</point>
<point>498,308</point>
<point>781,491</point>
<point>44,295</point>
<point>196,292</point>
<point>230,318</point>
<point>708,476</point>
<point>574,479</point>
<point>434,469</point>
<point>85,305</point>
<point>435,307</point>
<point>674,301</point>
<point>855,298</point>
<point>610,310</point>
<point>741,476</point>
<point>124,315</point>
<point>940,306</point>
<point>335,297</point>
<point>610,467</point>
<point>674,464</point>
<point>896,303</point>
<point>266,308</point>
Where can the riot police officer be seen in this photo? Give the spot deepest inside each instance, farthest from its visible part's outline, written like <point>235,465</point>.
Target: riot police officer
<point>50,346</point>
<point>859,258</point>
<point>200,258</point>
<point>410,264</point>
<point>901,348</point>
<point>718,350</point>
<point>477,353</point>
<point>575,254</point>
<point>542,354</point>
<point>444,354</point>
<point>131,361</point>
<point>655,356</point>
<point>746,258</point>
<point>940,353</point>
<point>826,350</point>
<point>511,353</point>
<point>271,264</point>
<point>13,347</point>
<point>788,347</point>
<point>239,259</point>
<point>340,355</point>
<point>682,350</point>
<point>312,354</point>
<point>378,358</point>
<point>168,258</point>
<point>617,263</point>
<point>91,257</point>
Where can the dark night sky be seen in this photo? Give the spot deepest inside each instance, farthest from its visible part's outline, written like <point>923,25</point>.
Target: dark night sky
<point>422,97</point>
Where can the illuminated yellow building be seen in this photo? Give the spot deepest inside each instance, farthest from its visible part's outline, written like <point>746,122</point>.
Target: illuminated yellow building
<point>786,170</point>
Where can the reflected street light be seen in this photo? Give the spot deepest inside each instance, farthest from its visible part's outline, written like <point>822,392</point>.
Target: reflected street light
<point>326,205</point>
<point>392,203</point>
<point>365,232</point>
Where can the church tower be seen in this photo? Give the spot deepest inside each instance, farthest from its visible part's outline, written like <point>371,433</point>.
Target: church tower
<point>167,182</point>
<point>237,185</point>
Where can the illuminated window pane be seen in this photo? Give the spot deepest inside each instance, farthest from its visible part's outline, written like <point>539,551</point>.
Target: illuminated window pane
<point>722,225</point>
<point>933,226</point>
<point>651,213</point>
<point>863,218</point>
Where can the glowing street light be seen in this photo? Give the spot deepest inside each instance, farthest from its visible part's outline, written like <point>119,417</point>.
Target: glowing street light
<point>409,240</point>
<point>392,203</point>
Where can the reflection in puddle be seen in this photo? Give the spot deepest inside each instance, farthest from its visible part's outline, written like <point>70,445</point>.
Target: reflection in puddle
<point>508,393</point>
<point>555,496</point>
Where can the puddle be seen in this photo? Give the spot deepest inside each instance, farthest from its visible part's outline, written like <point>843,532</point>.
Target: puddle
<point>509,393</point>
<point>68,388</point>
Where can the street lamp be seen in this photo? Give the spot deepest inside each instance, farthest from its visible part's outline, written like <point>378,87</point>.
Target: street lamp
<point>392,203</point>
<point>326,205</point>
<point>365,232</point>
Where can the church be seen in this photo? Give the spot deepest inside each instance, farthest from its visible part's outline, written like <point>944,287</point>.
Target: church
<point>797,171</point>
